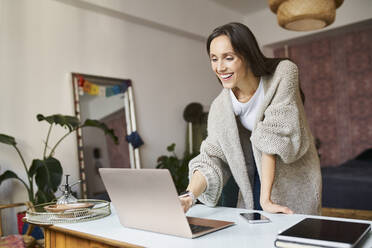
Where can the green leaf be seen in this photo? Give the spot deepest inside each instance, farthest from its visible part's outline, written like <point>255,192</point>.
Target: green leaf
<point>160,160</point>
<point>8,175</point>
<point>11,175</point>
<point>36,164</point>
<point>48,174</point>
<point>67,121</point>
<point>40,197</point>
<point>9,140</point>
<point>103,127</point>
<point>171,147</point>
<point>44,196</point>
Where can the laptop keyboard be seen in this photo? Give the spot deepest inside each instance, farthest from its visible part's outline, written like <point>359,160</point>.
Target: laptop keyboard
<point>198,229</point>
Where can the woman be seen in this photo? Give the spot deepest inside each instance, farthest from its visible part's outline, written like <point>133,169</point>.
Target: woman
<point>257,132</point>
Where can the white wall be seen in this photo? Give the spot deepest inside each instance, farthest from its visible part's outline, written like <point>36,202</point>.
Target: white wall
<point>267,30</point>
<point>43,41</point>
<point>196,17</point>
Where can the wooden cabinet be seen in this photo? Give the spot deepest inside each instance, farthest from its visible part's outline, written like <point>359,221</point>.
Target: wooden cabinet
<point>56,237</point>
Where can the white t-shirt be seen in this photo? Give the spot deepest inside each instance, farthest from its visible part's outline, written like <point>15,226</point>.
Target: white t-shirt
<point>247,111</point>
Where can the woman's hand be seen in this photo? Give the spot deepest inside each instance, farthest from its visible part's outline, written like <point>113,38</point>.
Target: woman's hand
<point>267,180</point>
<point>186,202</point>
<point>197,185</point>
<point>271,207</point>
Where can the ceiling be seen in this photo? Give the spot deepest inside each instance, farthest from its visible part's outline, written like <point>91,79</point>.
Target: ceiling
<point>243,6</point>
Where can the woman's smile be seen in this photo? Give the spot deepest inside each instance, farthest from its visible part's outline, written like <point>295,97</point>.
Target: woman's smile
<point>226,76</point>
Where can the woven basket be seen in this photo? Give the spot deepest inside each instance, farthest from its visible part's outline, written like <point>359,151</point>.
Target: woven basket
<point>303,15</point>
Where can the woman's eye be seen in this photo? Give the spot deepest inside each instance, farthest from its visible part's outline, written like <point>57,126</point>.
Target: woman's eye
<point>213,59</point>
<point>229,58</point>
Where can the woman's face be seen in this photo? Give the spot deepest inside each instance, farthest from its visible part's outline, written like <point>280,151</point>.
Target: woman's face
<point>227,65</point>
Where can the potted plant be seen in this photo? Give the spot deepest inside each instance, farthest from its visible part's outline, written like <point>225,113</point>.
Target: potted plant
<point>178,167</point>
<point>47,172</point>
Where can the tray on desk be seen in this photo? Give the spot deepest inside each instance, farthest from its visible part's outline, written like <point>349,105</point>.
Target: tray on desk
<point>95,209</point>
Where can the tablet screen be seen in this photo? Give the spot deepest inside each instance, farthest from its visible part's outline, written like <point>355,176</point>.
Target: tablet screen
<point>327,230</point>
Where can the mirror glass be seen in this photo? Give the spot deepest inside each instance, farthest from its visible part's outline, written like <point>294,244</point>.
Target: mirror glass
<point>108,100</point>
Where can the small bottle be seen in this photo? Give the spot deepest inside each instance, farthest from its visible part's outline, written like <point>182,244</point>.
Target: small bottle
<point>67,196</point>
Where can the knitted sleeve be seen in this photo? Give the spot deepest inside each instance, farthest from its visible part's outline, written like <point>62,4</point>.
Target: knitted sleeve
<point>282,131</point>
<point>211,163</point>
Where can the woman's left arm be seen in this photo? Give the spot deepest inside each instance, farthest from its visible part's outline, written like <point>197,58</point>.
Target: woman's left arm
<point>283,131</point>
<point>267,179</point>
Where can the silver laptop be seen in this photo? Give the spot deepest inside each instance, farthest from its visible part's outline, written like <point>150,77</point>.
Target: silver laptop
<point>147,199</point>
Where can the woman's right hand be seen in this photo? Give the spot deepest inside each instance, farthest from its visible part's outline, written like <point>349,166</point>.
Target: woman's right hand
<point>197,185</point>
<point>186,202</point>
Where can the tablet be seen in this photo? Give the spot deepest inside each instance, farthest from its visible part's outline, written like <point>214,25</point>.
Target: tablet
<point>324,233</point>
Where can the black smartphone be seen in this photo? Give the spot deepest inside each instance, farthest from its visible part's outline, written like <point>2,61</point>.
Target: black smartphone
<point>255,218</point>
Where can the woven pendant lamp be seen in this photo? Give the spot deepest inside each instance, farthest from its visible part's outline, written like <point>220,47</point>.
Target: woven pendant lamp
<point>305,15</point>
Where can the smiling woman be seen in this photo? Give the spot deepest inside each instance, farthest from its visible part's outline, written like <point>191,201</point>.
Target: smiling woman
<point>259,143</point>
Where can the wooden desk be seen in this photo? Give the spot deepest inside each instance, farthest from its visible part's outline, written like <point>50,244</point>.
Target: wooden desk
<point>108,232</point>
<point>64,238</point>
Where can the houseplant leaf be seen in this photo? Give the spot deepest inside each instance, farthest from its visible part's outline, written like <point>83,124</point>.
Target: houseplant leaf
<point>9,140</point>
<point>103,127</point>
<point>48,174</point>
<point>8,175</point>
<point>34,166</point>
<point>71,122</point>
<point>171,147</point>
<point>44,196</point>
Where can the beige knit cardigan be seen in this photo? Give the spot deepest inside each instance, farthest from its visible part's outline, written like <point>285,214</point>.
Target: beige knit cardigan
<point>281,129</point>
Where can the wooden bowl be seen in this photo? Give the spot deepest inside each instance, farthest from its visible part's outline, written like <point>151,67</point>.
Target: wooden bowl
<point>64,207</point>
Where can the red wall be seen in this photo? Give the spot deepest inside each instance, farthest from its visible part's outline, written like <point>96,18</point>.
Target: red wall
<point>336,77</point>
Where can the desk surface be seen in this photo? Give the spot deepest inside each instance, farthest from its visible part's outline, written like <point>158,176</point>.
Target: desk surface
<point>242,234</point>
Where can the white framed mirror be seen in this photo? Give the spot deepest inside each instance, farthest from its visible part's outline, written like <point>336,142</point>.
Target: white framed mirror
<point>109,100</point>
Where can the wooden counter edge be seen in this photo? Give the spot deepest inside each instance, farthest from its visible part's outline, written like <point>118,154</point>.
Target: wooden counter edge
<point>92,237</point>
<point>347,213</point>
